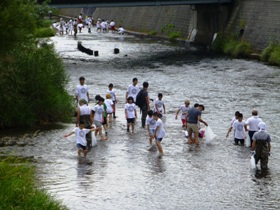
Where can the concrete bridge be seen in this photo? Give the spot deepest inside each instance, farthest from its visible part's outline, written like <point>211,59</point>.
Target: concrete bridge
<point>128,3</point>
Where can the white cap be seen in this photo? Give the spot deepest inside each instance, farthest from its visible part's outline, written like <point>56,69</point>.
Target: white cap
<point>262,126</point>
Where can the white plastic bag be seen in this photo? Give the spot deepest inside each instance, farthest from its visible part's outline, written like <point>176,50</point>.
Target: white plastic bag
<point>253,162</point>
<point>93,137</point>
<point>247,141</point>
<point>209,135</point>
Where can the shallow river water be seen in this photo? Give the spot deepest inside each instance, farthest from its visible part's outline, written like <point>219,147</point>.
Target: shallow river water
<point>121,173</point>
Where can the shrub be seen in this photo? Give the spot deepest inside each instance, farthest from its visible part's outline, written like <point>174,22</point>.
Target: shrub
<point>44,32</point>
<point>32,87</point>
<point>152,33</point>
<point>174,35</point>
<point>231,46</point>
<point>242,49</point>
<point>274,58</point>
<point>267,52</point>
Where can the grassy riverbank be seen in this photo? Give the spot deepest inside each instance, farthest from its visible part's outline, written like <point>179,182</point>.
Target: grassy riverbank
<point>32,76</point>
<point>19,188</point>
<point>242,49</point>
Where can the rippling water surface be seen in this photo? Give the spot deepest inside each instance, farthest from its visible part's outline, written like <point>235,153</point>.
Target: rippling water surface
<point>121,173</point>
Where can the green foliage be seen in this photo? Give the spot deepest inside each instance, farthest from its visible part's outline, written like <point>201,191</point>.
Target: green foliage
<point>33,88</point>
<point>19,190</point>
<point>44,32</point>
<point>16,23</point>
<point>274,58</point>
<point>231,46</point>
<point>152,33</point>
<point>169,29</point>
<point>32,77</point>
<point>271,54</point>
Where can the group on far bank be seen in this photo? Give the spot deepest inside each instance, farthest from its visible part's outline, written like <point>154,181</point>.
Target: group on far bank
<point>77,24</point>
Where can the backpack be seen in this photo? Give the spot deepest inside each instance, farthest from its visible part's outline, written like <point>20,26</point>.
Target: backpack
<point>140,99</point>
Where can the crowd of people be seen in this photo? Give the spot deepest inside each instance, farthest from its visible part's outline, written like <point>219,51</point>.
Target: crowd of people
<point>99,117</point>
<point>77,24</point>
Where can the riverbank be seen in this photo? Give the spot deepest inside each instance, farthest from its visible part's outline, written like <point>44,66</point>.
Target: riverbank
<point>19,189</point>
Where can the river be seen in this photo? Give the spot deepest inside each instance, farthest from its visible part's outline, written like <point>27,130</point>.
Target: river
<point>121,173</point>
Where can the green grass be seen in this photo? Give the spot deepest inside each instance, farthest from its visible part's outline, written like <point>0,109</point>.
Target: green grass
<point>152,33</point>
<point>232,47</point>
<point>19,190</point>
<point>44,32</point>
<point>271,54</point>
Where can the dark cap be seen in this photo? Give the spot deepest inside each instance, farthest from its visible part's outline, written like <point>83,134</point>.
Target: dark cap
<point>81,78</point>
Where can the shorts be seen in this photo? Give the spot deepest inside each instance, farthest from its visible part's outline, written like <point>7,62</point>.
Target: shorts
<point>152,132</point>
<point>237,140</point>
<point>81,146</point>
<point>184,121</point>
<point>159,139</point>
<point>97,124</point>
<point>193,128</point>
<point>130,120</point>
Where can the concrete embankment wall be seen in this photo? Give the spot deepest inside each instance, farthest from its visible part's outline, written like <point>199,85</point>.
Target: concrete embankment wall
<point>147,19</point>
<point>261,19</point>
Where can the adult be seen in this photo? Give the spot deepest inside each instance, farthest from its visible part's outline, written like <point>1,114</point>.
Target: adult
<point>81,91</point>
<point>146,103</point>
<point>192,117</point>
<point>261,145</point>
<point>253,123</point>
<point>84,113</point>
<point>132,90</point>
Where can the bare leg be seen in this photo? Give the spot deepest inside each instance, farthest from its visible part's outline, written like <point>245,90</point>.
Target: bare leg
<point>159,147</point>
<point>79,152</point>
<point>132,128</point>
<point>85,152</point>
<point>196,139</point>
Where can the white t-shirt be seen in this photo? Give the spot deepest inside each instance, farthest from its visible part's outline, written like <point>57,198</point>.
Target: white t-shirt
<point>184,110</point>
<point>81,91</point>
<point>121,30</point>
<point>98,112</point>
<point>130,108</point>
<point>80,135</point>
<point>133,91</point>
<point>109,103</point>
<point>151,122</point>
<point>112,93</point>
<point>239,131</point>
<point>253,123</point>
<point>160,132</point>
<point>85,110</point>
<point>159,104</point>
<point>112,23</point>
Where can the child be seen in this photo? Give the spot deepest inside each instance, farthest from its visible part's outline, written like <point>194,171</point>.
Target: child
<point>98,112</point>
<point>239,130</point>
<point>159,105</point>
<point>80,134</point>
<point>159,132</point>
<point>109,103</point>
<point>151,126</point>
<point>113,97</point>
<point>130,113</point>
<point>184,109</point>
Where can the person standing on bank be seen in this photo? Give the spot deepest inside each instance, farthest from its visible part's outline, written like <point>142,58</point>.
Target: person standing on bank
<point>81,91</point>
<point>261,146</point>
<point>253,123</point>
<point>84,114</point>
<point>192,118</point>
<point>143,101</point>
